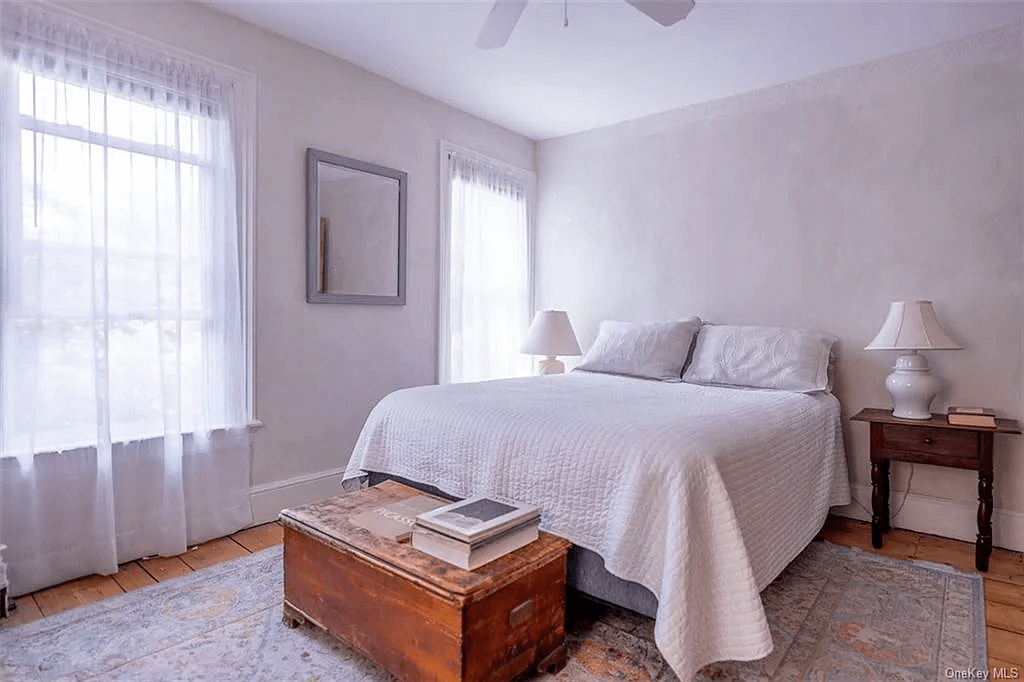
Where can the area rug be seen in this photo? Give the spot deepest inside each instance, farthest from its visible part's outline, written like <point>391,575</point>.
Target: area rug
<point>835,613</point>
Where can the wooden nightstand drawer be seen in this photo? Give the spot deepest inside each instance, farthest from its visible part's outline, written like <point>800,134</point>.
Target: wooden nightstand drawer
<point>930,440</point>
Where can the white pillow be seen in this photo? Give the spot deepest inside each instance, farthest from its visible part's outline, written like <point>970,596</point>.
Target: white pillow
<point>650,350</point>
<point>761,357</point>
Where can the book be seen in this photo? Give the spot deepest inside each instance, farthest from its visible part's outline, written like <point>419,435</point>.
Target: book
<point>971,416</point>
<point>472,556</point>
<point>478,518</point>
<point>395,521</point>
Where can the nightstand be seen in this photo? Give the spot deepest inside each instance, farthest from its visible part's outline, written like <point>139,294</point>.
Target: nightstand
<point>4,601</point>
<point>931,441</point>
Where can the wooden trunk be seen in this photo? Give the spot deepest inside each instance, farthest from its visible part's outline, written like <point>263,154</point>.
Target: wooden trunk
<point>417,616</point>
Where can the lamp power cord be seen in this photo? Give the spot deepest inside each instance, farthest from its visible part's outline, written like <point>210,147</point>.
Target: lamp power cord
<point>906,494</point>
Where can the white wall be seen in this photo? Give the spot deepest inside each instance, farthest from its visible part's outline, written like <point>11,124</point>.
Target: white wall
<point>814,204</point>
<point>321,368</point>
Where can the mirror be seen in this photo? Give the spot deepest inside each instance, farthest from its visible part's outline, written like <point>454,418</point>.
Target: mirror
<point>355,231</point>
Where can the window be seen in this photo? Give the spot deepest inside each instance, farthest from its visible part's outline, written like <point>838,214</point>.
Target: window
<point>124,273</point>
<point>487,288</point>
<point>125,176</point>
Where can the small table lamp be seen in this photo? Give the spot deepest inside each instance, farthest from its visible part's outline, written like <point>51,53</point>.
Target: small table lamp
<point>551,334</point>
<point>912,326</point>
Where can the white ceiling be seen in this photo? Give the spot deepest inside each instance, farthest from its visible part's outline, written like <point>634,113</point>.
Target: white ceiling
<point>612,63</point>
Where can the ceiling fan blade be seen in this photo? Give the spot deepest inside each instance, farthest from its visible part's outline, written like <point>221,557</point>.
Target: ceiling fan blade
<point>665,12</point>
<point>500,22</point>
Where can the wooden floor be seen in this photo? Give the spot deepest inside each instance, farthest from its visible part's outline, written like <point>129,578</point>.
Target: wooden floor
<point>136,574</point>
<point>1004,582</point>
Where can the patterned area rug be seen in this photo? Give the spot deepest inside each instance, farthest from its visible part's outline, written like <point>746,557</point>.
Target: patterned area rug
<point>835,613</point>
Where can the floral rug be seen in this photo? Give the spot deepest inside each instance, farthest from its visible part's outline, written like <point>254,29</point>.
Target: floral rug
<point>835,614</point>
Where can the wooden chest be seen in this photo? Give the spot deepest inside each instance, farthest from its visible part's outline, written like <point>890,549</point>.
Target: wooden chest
<point>417,616</point>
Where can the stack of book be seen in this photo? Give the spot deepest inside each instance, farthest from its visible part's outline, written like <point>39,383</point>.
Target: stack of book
<point>971,416</point>
<point>475,531</point>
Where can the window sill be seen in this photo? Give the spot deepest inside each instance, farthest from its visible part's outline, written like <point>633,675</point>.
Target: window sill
<point>251,427</point>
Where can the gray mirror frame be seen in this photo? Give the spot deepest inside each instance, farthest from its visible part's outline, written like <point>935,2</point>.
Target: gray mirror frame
<point>313,158</point>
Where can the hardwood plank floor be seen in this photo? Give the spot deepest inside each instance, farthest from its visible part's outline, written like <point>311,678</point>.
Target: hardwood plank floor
<point>25,611</point>
<point>136,574</point>
<point>1005,646</point>
<point>131,576</point>
<point>944,551</point>
<point>1004,582</point>
<point>76,593</point>
<point>1006,566</point>
<point>1004,593</point>
<point>260,537</point>
<point>163,568</point>
<point>1004,616</point>
<point>213,552</point>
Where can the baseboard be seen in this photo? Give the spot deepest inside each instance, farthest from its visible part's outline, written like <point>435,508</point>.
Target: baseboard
<point>268,499</point>
<point>937,516</point>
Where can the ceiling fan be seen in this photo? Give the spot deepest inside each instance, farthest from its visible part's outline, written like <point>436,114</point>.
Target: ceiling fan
<point>505,14</point>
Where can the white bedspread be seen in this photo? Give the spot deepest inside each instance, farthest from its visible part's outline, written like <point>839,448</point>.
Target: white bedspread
<point>701,494</point>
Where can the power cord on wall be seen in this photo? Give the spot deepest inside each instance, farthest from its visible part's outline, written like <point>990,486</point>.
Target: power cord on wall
<point>905,494</point>
<point>893,515</point>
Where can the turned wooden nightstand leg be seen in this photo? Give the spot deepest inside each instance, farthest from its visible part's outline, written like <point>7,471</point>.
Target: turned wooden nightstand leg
<point>879,501</point>
<point>886,525</point>
<point>983,547</point>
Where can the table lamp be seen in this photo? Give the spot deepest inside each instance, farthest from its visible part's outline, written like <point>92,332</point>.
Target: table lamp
<point>911,326</point>
<point>551,334</point>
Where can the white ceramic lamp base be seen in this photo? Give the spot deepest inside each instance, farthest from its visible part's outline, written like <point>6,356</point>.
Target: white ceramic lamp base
<point>912,387</point>
<point>550,365</point>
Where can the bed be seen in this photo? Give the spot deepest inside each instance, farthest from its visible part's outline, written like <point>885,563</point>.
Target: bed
<point>697,494</point>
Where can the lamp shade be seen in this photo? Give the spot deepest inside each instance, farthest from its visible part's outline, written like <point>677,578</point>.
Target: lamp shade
<point>551,334</point>
<point>912,325</point>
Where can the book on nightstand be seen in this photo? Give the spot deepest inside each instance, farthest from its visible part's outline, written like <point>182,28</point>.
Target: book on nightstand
<point>971,416</point>
<point>476,531</point>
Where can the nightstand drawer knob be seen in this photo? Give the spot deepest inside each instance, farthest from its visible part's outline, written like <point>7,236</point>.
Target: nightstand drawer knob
<point>928,440</point>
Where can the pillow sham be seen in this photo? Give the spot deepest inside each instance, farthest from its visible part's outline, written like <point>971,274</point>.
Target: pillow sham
<point>649,350</point>
<point>761,357</point>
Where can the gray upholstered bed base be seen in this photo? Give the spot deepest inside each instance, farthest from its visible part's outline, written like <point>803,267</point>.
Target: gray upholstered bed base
<point>586,569</point>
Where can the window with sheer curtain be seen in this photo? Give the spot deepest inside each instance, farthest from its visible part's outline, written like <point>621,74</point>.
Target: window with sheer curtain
<point>486,278</point>
<point>123,293</point>
<point>116,227</point>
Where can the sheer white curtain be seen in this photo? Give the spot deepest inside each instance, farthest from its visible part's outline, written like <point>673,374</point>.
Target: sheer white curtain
<point>123,364</point>
<point>486,280</point>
